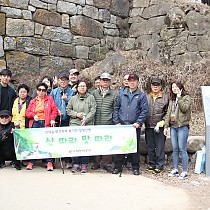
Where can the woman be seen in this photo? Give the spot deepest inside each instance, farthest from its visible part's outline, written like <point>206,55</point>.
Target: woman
<point>178,117</point>
<point>41,112</point>
<point>81,109</point>
<point>49,82</point>
<point>19,107</point>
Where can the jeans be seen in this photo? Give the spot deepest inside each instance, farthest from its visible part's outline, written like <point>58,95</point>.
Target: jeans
<point>179,144</point>
<point>40,124</point>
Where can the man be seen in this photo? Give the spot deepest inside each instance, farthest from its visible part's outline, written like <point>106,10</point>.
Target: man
<point>97,81</point>
<point>73,79</point>
<point>7,93</point>
<point>105,99</point>
<point>155,139</point>
<point>7,150</point>
<point>130,108</point>
<point>61,96</point>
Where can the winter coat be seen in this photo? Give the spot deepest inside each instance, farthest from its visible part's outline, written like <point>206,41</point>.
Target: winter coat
<point>130,110</point>
<point>50,110</point>
<point>85,105</point>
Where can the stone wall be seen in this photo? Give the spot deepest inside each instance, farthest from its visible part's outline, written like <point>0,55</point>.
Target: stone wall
<point>38,36</point>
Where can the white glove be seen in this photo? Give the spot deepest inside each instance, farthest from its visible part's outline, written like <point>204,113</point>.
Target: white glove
<point>52,123</point>
<point>157,129</point>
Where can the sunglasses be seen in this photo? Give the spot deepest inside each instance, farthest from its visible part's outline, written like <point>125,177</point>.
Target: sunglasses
<point>5,116</point>
<point>41,90</point>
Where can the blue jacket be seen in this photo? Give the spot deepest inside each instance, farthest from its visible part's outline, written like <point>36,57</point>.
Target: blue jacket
<point>130,108</point>
<point>61,104</point>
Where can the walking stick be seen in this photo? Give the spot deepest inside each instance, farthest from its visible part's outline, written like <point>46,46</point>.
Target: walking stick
<point>61,165</point>
<point>123,165</point>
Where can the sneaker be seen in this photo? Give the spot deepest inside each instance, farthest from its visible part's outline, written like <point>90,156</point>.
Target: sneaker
<point>150,168</point>
<point>75,168</point>
<point>29,166</point>
<point>157,171</point>
<point>183,175</point>
<point>173,173</point>
<point>68,165</point>
<point>49,166</point>
<point>128,165</point>
<point>16,165</point>
<point>84,169</point>
<point>109,169</point>
<point>95,167</point>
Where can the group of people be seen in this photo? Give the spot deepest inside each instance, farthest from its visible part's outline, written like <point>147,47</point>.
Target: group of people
<point>71,104</point>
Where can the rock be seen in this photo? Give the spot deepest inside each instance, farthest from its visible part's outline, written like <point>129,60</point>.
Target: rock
<point>80,2</point>
<point>82,52</point>
<point>38,4</point>
<point>1,47</point>
<point>47,18</point>
<point>2,24</point>
<point>197,23</point>
<point>65,21</point>
<point>39,28</point>
<point>97,52</point>
<point>195,143</point>
<point>104,4</point>
<point>11,12</point>
<point>123,26</point>
<point>57,34</point>
<point>33,45</point>
<point>9,43</point>
<point>50,1</point>
<point>52,7</point>
<point>120,8</point>
<point>20,27</point>
<point>175,18</point>
<point>22,64</point>
<point>27,15</point>
<point>141,3</point>
<point>91,12</point>
<point>66,7</point>
<point>63,50</point>
<point>2,64</point>
<point>110,63</point>
<point>54,64</point>
<point>22,4</point>
<point>104,15</point>
<point>85,26</point>
<point>86,41</point>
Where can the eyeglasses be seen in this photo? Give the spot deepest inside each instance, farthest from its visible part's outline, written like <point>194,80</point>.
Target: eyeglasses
<point>41,90</point>
<point>5,116</point>
<point>82,86</point>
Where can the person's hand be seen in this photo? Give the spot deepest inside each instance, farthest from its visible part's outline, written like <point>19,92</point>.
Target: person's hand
<point>118,124</point>
<point>60,113</point>
<point>52,123</point>
<point>17,123</point>
<point>36,118</point>
<point>83,123</point>
<point>80,115</point>
<point>64,97</point>
<point>165,132</point>
<point>136,125</point>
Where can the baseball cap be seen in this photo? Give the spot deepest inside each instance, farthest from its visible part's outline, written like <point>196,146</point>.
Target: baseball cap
<point>63,74</point>
<point>5,113</point>
<point>73,71</point>
<point>156,80</point>
<point>133,76</point>
<point>105,76</point>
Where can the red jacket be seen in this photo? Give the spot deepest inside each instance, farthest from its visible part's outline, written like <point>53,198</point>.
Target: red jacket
<point>50,111</point>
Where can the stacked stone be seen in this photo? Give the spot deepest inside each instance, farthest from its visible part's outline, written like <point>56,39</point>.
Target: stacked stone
<point>56,35</point>
<point>45,35</point>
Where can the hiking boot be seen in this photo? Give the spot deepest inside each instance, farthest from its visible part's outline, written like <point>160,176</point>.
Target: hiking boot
<point>183,175</point>
<point>136,172</point>
<point>68,165</point>
<point>157,171</point>
<point>128,165</point>
<point>75,168</point>
<point>150,168</point>
<point>173,173</point>
<point>84,169</point>
<point>29,166</point>
<point>49,166</point>
<point>116,171</point>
